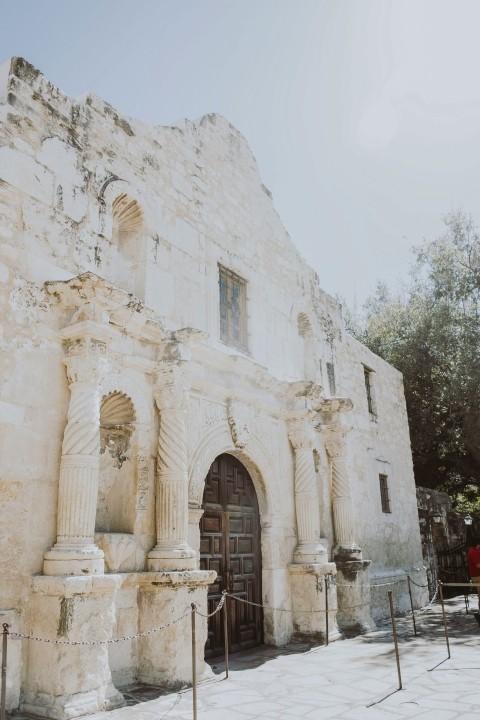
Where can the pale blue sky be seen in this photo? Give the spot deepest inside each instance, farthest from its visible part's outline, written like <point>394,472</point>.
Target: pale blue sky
<point>364,115</point>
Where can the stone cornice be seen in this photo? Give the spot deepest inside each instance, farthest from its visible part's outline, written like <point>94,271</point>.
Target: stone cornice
<point>96,299</point>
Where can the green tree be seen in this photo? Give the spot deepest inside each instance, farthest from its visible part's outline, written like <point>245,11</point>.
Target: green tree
<point>430,331</point>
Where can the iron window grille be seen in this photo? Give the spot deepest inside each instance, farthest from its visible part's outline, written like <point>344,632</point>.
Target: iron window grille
<point>233,309</point>
<point>384,493</point>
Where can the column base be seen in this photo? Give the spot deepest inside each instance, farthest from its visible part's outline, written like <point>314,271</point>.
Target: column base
<point>67,681</point>
<point>308,603</point>
<point>346,553</point>
<point>354,598</point>
<point>165,658</point>
<point>74,560</point>
<point>171,559</point>
<point>311,554</point>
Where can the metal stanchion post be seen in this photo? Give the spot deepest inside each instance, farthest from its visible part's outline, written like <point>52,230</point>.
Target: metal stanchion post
<point>444,618</point>
<point>326,608</point>
<point>194,664</point>
<point>225,632</point>
<point>411,605</point>
<point>4,671</point>
<point>395,640</point>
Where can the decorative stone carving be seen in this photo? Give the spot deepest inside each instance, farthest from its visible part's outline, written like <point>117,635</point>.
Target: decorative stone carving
<point>142,484</point>
<point>172,551</point>
<point>117,416</point>
<point>239,418</point>
<point>119,550</point>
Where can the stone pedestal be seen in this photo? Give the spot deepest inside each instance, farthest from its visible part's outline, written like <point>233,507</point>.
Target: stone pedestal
<point>67,681</point>
<point>354,598</point>
<point>308,596</point>
<point>165,657</point>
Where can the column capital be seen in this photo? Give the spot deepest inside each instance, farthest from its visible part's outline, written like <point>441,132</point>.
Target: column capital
<point>336,447</point>
<point>335,438</point>
<point>300,432</point>
<point>85,360</point>
<point>172,386</point>
<point>304,394</point>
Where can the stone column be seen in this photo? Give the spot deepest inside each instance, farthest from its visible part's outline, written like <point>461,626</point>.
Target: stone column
<point>75,552</point>
<point>310,560</point>
<point>345,545</point>
<point>309,548</point>
<point>353,584</point>
<point>172,551</point>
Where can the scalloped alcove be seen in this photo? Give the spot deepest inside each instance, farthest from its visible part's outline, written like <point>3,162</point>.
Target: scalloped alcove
<point>116,488</point>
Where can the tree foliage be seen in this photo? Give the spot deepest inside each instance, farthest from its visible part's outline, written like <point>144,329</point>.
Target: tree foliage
<point>430,331</point>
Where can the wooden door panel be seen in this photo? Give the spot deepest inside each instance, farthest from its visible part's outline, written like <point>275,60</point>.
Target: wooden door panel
<point>230,544</point>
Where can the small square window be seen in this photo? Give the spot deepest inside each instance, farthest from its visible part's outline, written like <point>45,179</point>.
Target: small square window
<point>384,494</point>
<point>233,308</point>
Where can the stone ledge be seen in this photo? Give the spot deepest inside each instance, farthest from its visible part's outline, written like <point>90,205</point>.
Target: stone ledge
<point>170,578</point>
<point>328,568</point>
<point>69,585</point>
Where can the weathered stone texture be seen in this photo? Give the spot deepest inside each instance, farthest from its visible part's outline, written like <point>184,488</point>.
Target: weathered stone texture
<point>111,234</point>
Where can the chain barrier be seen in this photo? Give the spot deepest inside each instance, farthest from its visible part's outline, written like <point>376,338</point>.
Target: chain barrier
<point>265,607</point>
<point>431,602</point>
<point>385,584</point>
<point>417,584</point>
<point>100,642</point>
<point>225,594</point>
<point>217,609</point>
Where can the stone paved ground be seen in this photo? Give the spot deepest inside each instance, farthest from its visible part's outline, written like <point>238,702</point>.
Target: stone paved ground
<point>350,679</point>
<point>353,679</point>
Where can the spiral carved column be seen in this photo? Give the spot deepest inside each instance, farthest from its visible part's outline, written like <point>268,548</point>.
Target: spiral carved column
<point>353,585</point>
<point>75,552</point>
<point>172,551</point>
<point>343,520</point>
<point>309,548</point>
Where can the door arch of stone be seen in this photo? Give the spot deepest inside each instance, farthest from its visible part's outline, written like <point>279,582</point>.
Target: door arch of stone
<point>230,545</point>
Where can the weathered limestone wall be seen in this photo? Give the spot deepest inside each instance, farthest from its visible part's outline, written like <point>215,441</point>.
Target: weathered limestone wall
<point>381,445</point>
<point>144,215</point>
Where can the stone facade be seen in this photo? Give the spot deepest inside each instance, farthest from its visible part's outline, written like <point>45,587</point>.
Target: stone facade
<point>119,390</point>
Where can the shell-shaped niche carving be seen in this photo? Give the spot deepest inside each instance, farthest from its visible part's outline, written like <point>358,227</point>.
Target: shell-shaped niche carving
<point>117,416</point>
<point>116,409</point>
<point>127,214</point>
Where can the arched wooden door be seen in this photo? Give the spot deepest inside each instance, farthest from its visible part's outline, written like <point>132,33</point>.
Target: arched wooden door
<point>230,545</point>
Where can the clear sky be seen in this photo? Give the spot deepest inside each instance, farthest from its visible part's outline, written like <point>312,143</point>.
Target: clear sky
<point>364,115</point>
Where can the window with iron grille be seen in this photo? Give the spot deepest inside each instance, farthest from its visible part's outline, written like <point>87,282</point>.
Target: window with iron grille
<point>384,495</point>
<point>233,308</point>
<point>331,378</point>
<point>368,389</point>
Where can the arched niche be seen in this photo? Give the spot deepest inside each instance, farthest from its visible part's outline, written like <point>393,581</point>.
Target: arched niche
<point>125,224</point>
<point>311,364</point>
<point>117,487</point>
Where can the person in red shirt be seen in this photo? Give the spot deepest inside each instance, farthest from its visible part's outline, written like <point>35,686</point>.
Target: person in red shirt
<point>473,560</point>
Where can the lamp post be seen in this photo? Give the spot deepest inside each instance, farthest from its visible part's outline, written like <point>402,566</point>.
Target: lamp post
<point>433,518</point>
